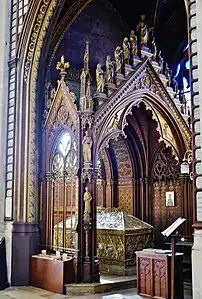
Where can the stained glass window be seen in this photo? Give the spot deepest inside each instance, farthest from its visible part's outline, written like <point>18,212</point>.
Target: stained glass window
<point>65,158</point>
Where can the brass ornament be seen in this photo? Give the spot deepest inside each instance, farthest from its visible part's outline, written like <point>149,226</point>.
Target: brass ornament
<point>62,66</point>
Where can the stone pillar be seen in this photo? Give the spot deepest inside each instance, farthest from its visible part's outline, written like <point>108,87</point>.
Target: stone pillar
<point>195,30</point>
<point>4,54</point>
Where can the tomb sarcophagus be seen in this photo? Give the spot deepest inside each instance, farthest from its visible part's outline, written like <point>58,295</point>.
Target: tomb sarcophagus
<point>119,236</point>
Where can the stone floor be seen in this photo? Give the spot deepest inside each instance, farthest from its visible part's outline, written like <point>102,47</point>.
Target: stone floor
<point>34,293</point>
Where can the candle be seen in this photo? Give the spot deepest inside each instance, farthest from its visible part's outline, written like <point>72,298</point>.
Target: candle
<point>43,252</point>
<point>64,256</point>
<point>58,254</point>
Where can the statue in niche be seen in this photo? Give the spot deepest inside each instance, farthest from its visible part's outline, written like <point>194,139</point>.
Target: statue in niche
<point>118,59</point>
<point>160,62</point>
<point>142,32</point>
<point>154,49</point>
<point>87,144</point>
<point>115,121</point>
<point>133,42</point>
<point>87,197</point>
<point>126,50</point>
<point>100,78</point>
<point>109,70</point>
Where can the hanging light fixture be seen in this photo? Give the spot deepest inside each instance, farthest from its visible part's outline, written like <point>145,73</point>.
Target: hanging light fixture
<point>187,160</point>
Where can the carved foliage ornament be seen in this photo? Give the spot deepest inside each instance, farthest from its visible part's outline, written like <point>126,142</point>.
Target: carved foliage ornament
<point>33,56</point>
<point>42,15</point>
<point>166,166</point>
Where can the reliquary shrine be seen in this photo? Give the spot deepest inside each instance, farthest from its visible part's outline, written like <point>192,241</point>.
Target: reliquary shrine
<point>118,237</point>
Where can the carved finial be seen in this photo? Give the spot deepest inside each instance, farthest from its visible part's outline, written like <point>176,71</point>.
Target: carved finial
<point>86,56</point>
<point>62,66</point>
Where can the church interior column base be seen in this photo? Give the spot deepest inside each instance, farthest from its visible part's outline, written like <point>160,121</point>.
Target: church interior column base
<point>87,277</point>
<point>25,243</point>
<point>197,264</point>
<point>91,271</point>
<point>8,237</point>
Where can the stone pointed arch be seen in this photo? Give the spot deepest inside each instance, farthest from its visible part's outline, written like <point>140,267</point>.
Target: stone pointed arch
<point>41,16</point>
<point>143,85</point>
<point>61,115</point>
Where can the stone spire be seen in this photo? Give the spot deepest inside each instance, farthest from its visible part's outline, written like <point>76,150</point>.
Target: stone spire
<point>86,57</point>
<point>85,91</point>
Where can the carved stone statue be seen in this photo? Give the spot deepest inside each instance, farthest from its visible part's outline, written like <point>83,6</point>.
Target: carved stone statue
<point>118,59</point>
<point>87,144</point>
<point>133,42</point>
<point>154,49</point>
<point>142,32</point>
<point>167,74</point>
<point>100,78</point>
<point>126,50</point>
<point>160,62</point>
<point>109,70</point>
<point>87,197</point>
<point>115,121</point>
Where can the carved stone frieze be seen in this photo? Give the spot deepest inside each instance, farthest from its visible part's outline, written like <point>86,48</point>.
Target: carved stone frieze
<point>42,21</point>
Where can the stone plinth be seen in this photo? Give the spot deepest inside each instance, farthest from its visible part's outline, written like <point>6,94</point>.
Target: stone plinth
<point>100,98</point>
<point>156,66</point>
<point>145,52</point>
<point>136,60</point>
<point>110,88</point>
<point>128,69</point>
<point>107,284</point>
<point>119,78</point>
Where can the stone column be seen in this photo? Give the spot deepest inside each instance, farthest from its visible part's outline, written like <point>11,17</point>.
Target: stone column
<point>195,30</point>
<point>4,55</point>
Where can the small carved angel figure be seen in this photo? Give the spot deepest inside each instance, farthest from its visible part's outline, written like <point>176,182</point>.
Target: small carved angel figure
<point>142,32</point>
<point>118,58</point>
<point>167,74</point>
<point>87,144</point>
<point>153,49</point>
<point>133,42</point>
<point>160,62</point>
<point>100,78</point>
<point>87,197</point>
<point>126,50</point>
<point>109,70</point>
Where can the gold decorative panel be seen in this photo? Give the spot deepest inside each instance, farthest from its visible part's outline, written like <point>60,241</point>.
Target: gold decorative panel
<point>124,165</point>
<point>125,196</point>
<point>118,237</point>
